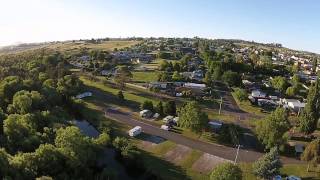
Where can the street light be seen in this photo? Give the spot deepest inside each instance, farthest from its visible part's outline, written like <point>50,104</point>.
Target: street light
<point>235,160</point>
<point>220,105</point>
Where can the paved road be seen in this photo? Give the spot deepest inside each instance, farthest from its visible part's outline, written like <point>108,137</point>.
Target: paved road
<point>214,149</point>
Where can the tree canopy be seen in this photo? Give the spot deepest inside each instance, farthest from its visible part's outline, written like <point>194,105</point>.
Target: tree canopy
<point>226,171</point>
<point>268,165</point>
<point>272,130</point>
<point>191,117</point>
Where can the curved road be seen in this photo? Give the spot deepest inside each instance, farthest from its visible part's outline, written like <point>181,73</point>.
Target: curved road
<point>214,149</point>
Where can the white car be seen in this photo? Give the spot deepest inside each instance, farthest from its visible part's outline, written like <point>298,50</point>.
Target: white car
<point>135,131</point>
<point>293,178</point>
<point>165,127</point>
<point>277,177</point>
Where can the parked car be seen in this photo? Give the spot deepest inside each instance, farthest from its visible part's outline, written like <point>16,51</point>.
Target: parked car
<point>135,131</point>
<point>165,127</point>
<point>277,177</point>
<point>168,118</point>
<point>146,113</point>
<point>293,178</point>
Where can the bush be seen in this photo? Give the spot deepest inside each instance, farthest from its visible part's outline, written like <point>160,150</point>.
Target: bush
<point>226,171</point>
<point>231,78</point>
<point>147,105</point>
<point>241,94</point>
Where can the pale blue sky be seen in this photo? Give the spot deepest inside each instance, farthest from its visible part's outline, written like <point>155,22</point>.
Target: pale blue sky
<point>294,23</point>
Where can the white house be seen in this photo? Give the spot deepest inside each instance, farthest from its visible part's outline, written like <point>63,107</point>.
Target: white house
<point>296,106</point>
<point>195,86</point>
<point>293,104</point>
<point>258,94</point>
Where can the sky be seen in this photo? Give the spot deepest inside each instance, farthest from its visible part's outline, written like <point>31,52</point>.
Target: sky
<point>294,23</point>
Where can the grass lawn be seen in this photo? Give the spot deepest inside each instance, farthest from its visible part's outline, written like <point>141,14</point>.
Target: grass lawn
<point>290,169</point>
<point>145,76</point>
<point>128,95</point>
<point>191,158</point>
<point>163,148</point>
<point>93,113</point>
<point>214,115</point>
<point>247,106</point>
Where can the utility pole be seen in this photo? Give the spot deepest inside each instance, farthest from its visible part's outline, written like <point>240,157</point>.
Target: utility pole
<point>235,160</point>
<point>220,105</point>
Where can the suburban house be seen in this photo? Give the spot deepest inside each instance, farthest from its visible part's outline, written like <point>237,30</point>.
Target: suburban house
<point>194,86</point>
<point>197,75</point>
<point>292,104</point>
<point>258,94</point>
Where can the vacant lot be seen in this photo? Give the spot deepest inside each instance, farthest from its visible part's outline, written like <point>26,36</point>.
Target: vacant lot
<point>146,76</point>
<point>207,162</point>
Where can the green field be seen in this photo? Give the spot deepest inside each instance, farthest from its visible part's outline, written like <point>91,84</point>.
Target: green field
<point>144,76</point>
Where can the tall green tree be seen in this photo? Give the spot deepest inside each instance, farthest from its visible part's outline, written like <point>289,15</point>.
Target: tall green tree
<point>268,165</point>
<point>279,83</point>
<point>312,153</point>
<point>217,73</point>
<point>123,75</point>
<point>69,85</point>
<point>271,131</point>
<point>8,87</point>
<point>147,105</point>
<point>169,108</point>
<point>231,78</point>
<point>159,108</point>
<point>20,132</point>
<point>3,116</point>
<point>311,113</point>
<point>314,65</point>
<point>208,79</point>
<point>120,95</point>
<point>176,76</point>
<point>25,102</point>
<point>77,148</point>
<point>4,163</point>
<point>191,117</point>
<point>163,77</point>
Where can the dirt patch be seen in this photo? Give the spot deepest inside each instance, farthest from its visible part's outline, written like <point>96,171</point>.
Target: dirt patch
<point>177,154</point>
<point>149,142</point>
<point>146,145</point>
<point>207,162</point>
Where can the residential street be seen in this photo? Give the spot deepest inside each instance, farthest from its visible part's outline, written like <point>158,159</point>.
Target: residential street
<point>214,149</point>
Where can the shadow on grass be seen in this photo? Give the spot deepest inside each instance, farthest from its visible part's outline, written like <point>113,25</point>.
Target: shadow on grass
<point>96,118</point>
<point>161,168</point>
<point>176,130</point>
<point>150,138</point>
